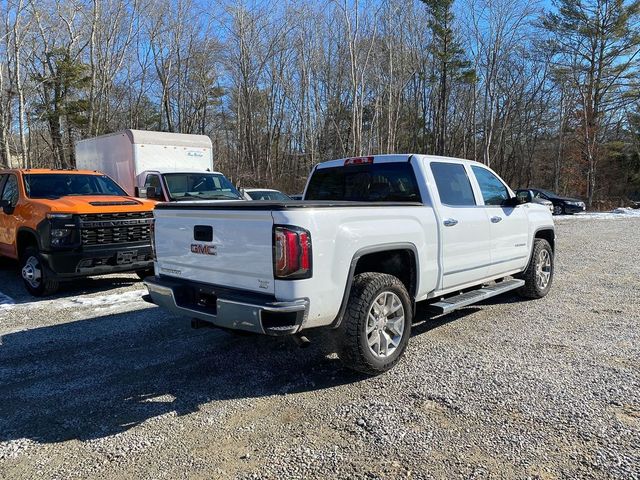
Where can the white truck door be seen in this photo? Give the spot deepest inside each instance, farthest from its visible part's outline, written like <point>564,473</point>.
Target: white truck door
<point>509,225</point>
<point>465,227</point>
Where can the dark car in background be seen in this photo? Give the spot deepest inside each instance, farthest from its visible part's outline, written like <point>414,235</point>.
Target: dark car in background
<point>561,205</point>
<point>265,194</point>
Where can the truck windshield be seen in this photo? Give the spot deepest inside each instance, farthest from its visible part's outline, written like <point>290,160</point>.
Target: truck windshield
<point>374,182</point>
<point>56,185</point>
<point>204,186</point>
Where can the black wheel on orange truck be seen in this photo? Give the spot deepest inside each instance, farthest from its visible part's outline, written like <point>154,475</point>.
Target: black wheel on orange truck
<point>36,276</point>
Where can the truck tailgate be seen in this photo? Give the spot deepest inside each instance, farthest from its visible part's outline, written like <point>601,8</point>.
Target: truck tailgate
<point>231,248</point>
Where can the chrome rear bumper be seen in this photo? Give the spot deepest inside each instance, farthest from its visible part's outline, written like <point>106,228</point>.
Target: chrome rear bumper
<point>228,308</point>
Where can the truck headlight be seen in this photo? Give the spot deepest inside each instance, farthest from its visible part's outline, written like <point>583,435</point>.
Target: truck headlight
<point>61,237</point>
<point>62,229</point>
<point>60,232</point>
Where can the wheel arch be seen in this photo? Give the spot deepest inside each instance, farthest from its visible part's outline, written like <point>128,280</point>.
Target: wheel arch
<point>387,258</point>
<point>546,233</point>
<point>26,237</point>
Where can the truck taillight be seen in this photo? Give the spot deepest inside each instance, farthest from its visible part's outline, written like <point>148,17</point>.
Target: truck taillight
<point>291,253</point>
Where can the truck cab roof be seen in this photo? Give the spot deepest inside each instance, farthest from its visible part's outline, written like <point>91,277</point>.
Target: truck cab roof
<point>49,171</point>
<point>389,158</point>
<point>164,171</point>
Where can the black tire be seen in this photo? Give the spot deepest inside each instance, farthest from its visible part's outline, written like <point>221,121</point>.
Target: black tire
<point>558,210</point>
<point>532,287</point>
<point>351,336</point>
<point>36,277</point>
<point>142,274</point>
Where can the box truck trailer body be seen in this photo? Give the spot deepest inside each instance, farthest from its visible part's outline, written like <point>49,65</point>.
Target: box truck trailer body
<point>125,156</point>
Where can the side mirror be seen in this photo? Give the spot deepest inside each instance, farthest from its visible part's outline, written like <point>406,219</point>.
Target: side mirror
<point>153,194</point>
<point>525,196</point>
<point>513,202</point>
<point>6,207</point>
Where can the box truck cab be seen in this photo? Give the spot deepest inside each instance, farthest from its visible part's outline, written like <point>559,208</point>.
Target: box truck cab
<point>157,165</point>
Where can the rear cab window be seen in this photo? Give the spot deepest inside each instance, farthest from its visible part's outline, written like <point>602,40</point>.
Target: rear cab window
<point>371,182</point>
<point>452,182</point>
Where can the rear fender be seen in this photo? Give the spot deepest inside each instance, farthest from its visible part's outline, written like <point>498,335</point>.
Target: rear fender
<point>388,247</point>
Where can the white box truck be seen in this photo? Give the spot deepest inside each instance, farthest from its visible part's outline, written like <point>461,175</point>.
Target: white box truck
<point>157,165</point>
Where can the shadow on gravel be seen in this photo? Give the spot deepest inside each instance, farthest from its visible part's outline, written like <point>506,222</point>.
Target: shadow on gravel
<point>11,284</point>
<point>98,377</point>
<point>425,322</point>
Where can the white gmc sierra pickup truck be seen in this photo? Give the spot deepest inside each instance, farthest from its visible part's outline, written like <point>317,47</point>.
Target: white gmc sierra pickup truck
<point>373,236</point>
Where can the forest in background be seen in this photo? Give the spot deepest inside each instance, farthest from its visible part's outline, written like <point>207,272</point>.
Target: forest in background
<point>548,95</point>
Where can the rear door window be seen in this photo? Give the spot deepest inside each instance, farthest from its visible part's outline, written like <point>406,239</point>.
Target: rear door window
<point>493,190</point>
<point>10,191</point>
<point>373,182</point>
<point>453,184</point>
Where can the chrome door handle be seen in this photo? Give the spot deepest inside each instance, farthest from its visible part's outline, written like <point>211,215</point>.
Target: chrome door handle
<point>496,219</point>
<point>450,222</point>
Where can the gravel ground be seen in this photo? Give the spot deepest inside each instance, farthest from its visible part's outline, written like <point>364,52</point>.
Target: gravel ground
<point>95,383</point>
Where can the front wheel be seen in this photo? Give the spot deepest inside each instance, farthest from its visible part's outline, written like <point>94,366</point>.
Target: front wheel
<point>376,326</point>
<point>538,276</point>
<point>36,278</point>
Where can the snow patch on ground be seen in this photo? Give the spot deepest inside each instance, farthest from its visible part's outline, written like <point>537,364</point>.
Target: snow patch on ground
<point>633,212</point>
<point>6,301</point>
<point>102,301</point>
<point>98,303</point>
<point>613,214</point>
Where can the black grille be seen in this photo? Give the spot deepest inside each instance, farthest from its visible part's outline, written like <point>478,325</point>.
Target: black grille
<point>115,228</point>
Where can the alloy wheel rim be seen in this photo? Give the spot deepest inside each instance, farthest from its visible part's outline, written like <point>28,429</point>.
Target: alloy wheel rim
<point>543,269</point>
<point>31,272</point>
<point>385,324</point>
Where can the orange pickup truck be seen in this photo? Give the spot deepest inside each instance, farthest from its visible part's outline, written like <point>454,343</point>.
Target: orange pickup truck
<point>63,224</point>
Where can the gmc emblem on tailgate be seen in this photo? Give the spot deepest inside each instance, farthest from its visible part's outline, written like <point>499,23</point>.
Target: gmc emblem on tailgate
<point>201,249</point>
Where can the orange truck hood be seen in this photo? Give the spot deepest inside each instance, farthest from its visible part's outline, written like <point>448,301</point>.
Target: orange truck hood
<point>94,204</point>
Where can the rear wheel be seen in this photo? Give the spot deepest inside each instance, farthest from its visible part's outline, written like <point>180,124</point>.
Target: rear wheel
<point>538,276</point>
<point>36,278</point>
<point>376,326</point>
<point>558,210</point>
